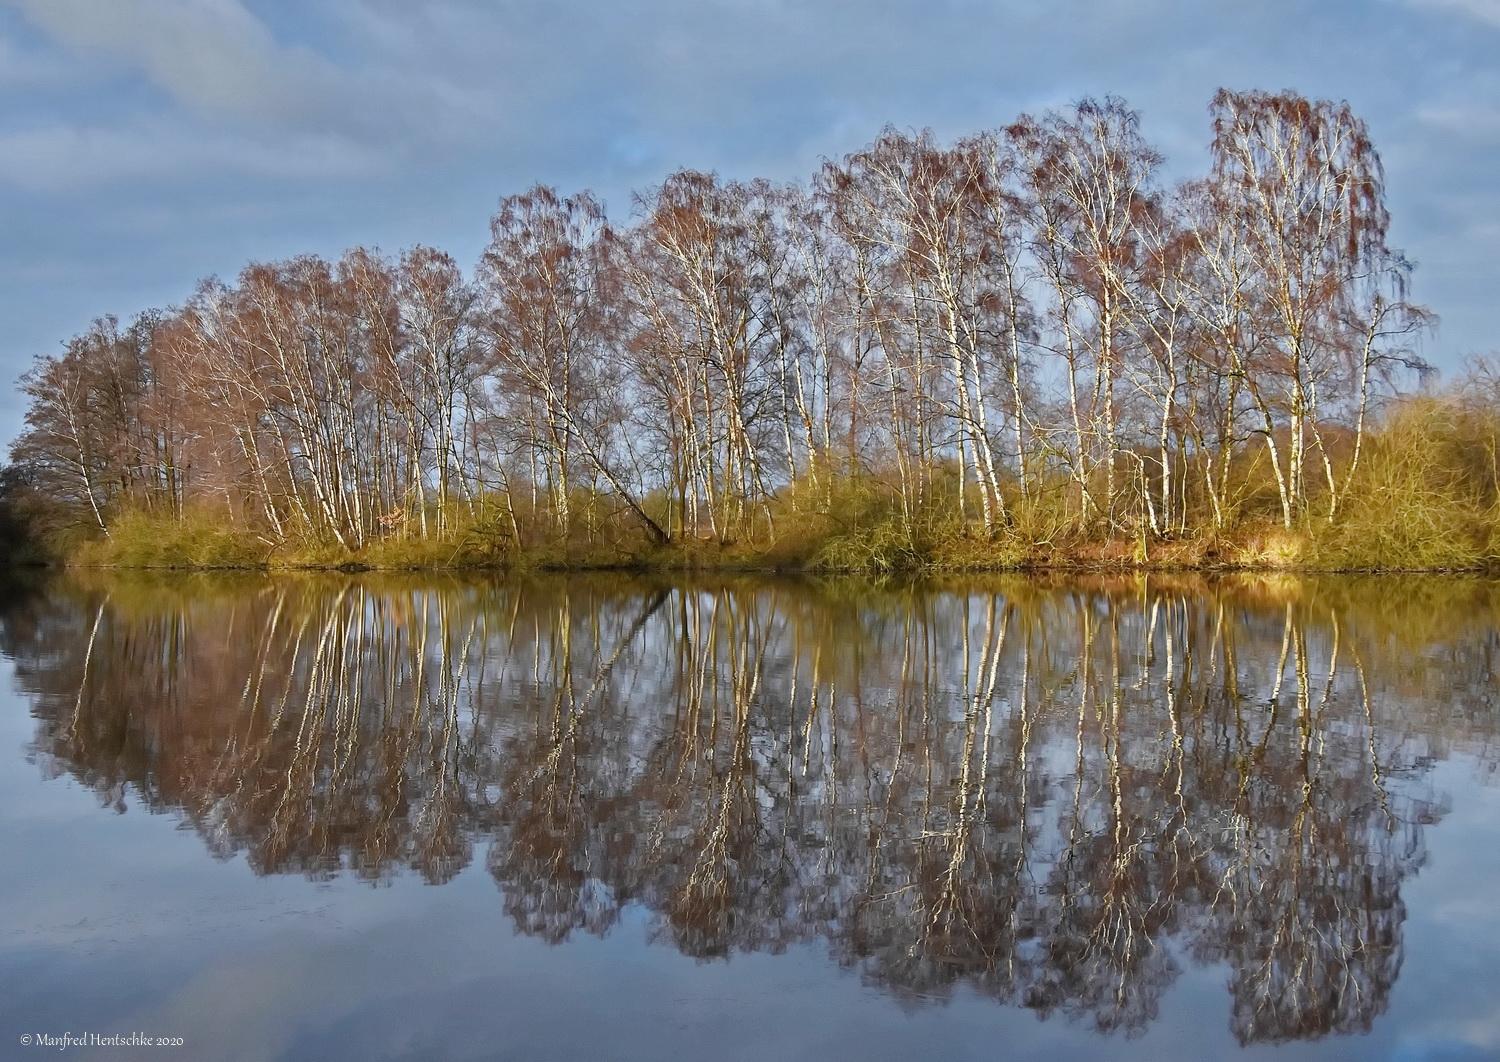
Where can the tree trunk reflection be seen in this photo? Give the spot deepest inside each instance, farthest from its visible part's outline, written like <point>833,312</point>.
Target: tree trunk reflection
<point>1054,793</point>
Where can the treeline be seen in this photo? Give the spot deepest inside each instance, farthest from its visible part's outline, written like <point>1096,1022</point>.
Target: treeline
<point>1020,341</point>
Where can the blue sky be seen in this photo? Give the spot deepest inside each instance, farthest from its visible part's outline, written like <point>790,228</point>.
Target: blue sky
<point>145,144</point>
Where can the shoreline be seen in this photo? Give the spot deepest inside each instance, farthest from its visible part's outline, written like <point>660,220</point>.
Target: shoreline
<point>1051,567</point>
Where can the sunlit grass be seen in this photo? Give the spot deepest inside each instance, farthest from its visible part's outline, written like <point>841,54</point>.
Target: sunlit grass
<point>1422,497</point>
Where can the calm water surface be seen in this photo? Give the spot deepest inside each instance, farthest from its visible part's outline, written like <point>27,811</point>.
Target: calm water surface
<point>607,818</point>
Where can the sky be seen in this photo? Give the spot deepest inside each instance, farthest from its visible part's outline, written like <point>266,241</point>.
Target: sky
<point>146,144</point>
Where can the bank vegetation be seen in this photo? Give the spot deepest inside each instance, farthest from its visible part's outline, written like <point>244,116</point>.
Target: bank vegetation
<point>1022,347</point>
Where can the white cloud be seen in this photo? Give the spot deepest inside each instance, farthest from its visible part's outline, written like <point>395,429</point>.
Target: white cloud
<point>213,56</point>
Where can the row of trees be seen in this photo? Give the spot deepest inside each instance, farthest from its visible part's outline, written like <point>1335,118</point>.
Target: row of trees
<point>1024,325</point>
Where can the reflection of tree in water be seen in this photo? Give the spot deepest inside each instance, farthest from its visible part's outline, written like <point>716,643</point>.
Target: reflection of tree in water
<point>315,732</point>
<point>1312,858</point>
<point>555,842</point>
<point>1050,795</point>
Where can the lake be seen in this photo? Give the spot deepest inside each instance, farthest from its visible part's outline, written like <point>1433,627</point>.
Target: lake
<point>614,817</point>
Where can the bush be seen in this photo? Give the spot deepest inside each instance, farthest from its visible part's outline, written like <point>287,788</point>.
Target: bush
<point>147,540</point>
<point>1420,500</point>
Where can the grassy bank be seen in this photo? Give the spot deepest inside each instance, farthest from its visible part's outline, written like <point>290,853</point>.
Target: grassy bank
<point>1421,496</point>
<point>1372,537</point>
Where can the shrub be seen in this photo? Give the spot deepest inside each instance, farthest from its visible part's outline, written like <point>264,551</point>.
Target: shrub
<point>149,540</point>
<point>1419,500</point>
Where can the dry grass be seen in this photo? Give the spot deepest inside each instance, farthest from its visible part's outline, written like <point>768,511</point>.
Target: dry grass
<point>1424,498</point>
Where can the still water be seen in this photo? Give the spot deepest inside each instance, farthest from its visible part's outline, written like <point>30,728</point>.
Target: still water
<point>616,818</point>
